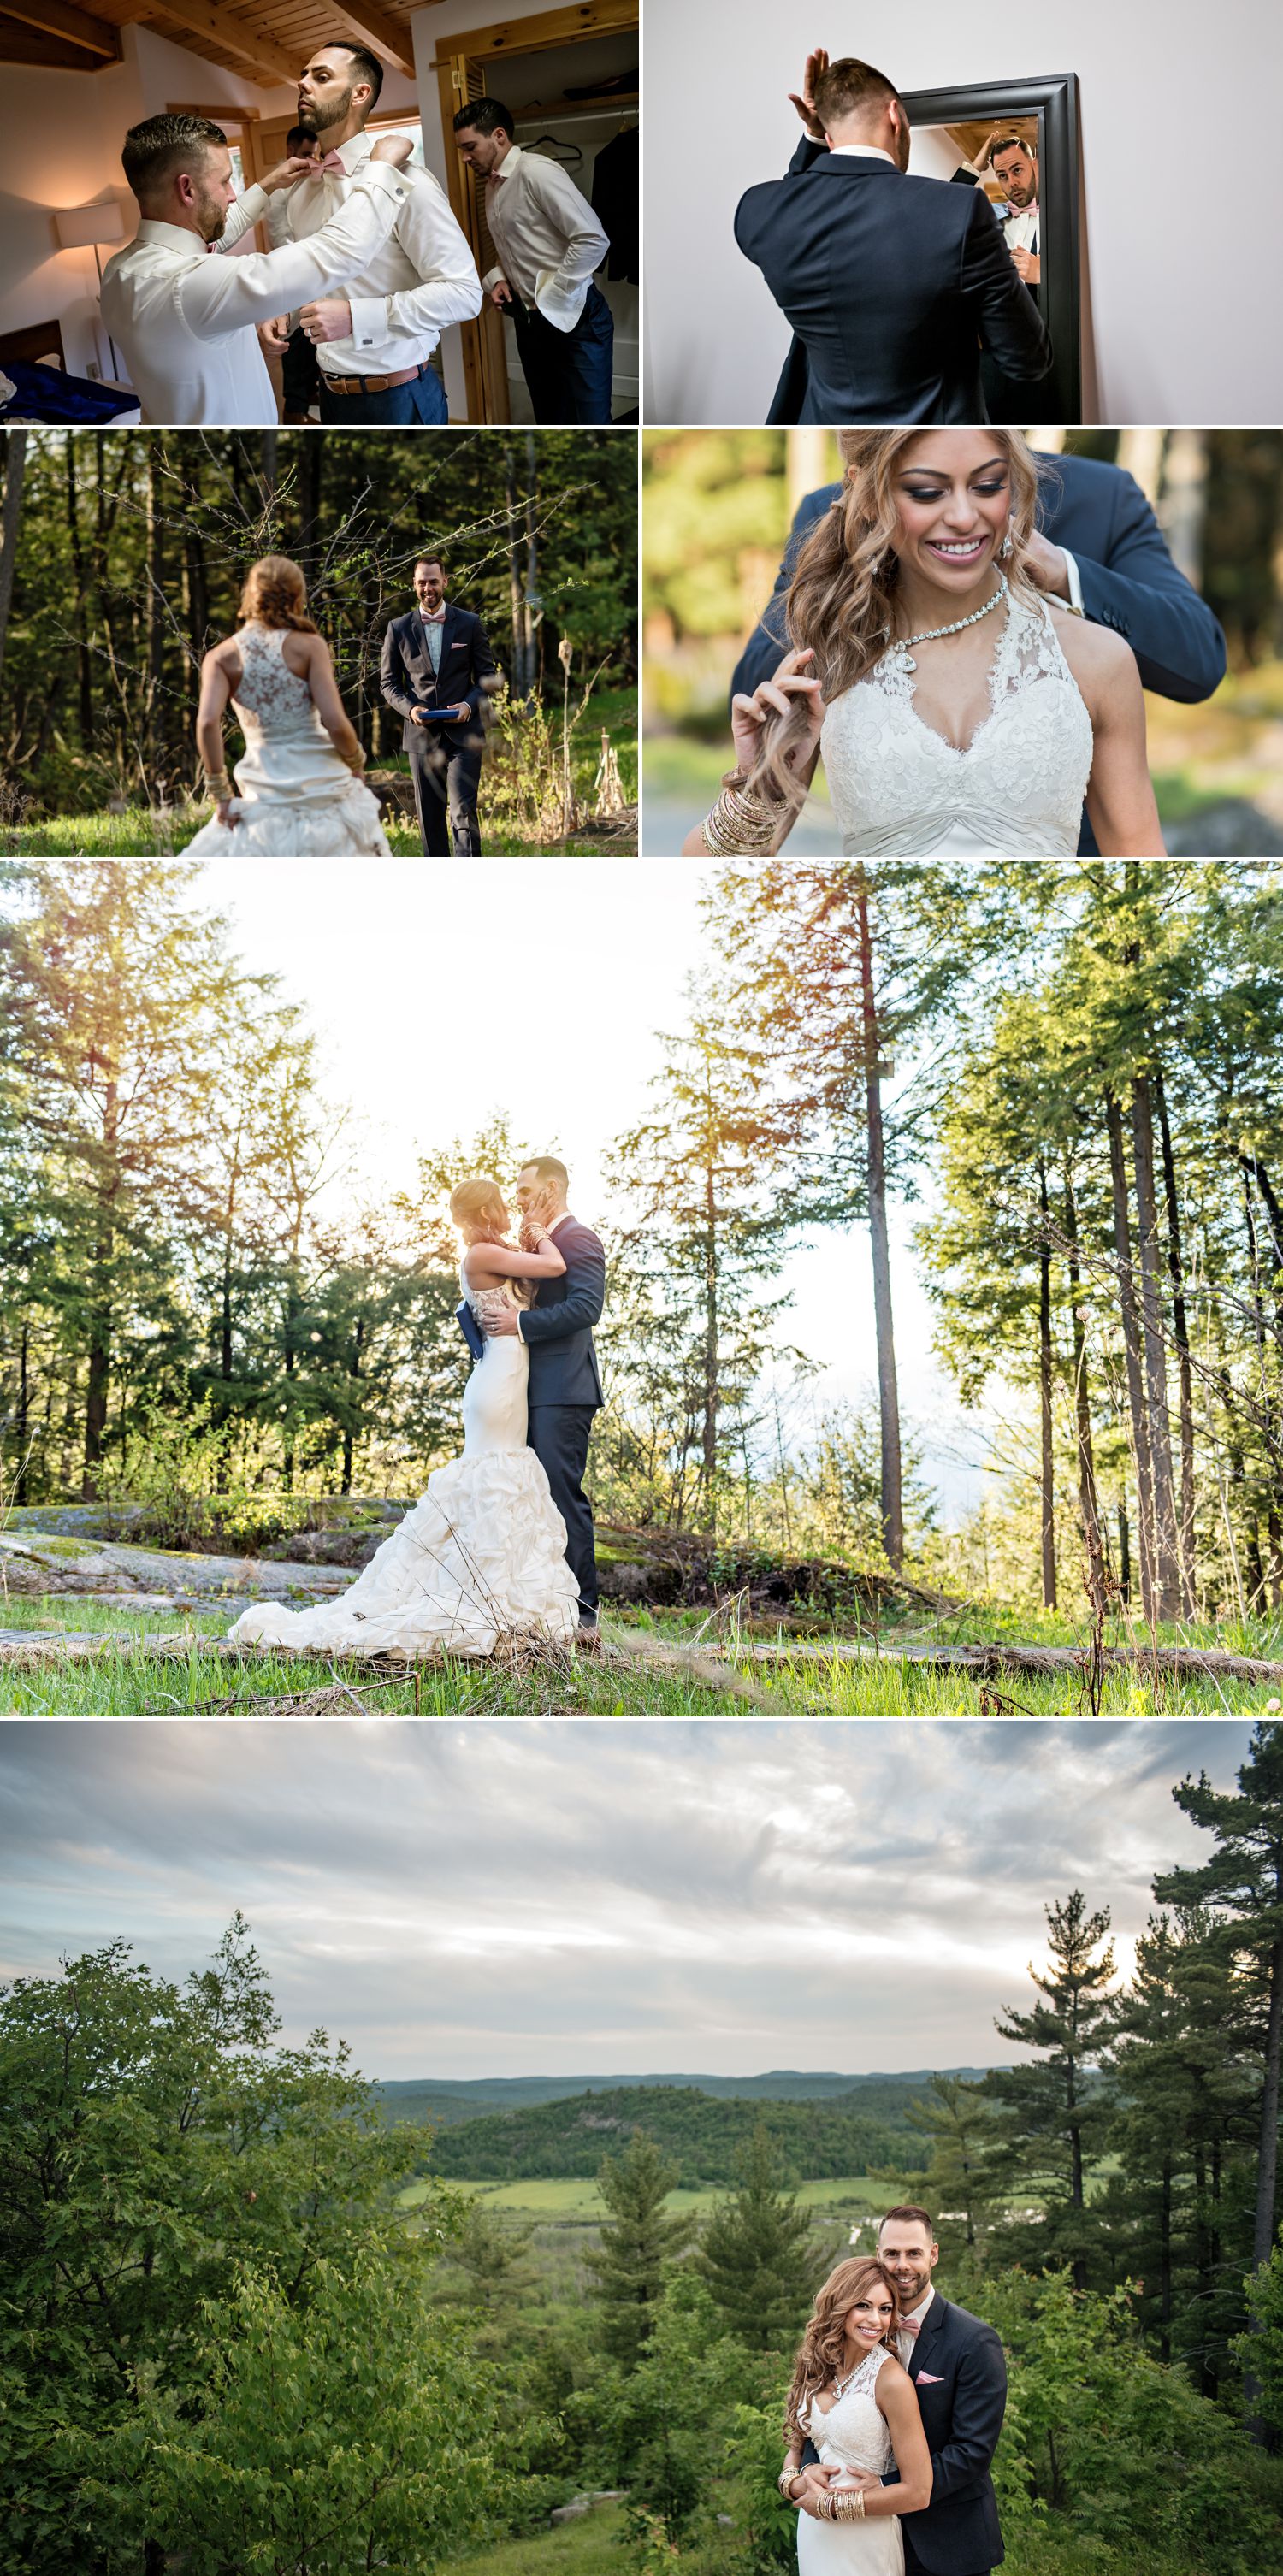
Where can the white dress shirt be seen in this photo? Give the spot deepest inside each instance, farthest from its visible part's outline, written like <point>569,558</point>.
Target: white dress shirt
<point>548,238</point>
<point>186,322</point>
<point>863,151</point>
<point>422,274</point>
<point>1020,227</point>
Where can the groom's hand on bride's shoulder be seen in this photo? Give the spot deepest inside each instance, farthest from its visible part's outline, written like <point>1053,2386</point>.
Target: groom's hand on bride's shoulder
<point>1046,566</point>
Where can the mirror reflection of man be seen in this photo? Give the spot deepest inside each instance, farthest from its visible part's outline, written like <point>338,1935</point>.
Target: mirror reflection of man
<point>1015,167</point>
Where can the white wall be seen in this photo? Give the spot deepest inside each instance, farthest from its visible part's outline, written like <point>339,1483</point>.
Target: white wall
<point>1181,291</point>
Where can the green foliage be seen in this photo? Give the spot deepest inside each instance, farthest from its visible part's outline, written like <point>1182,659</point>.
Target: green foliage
<point>703,2136</point>
<point>1261,2350</point>
<point>756,2254</point>
<point>663,2414</point>
<point>637,2247</point>
<point>1059,2117</point>
<point>356,2430</point>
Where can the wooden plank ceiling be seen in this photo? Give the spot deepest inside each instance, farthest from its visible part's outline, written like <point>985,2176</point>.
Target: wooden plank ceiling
<point>266,41</point>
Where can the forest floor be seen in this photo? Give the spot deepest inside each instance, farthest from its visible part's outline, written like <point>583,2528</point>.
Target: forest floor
<point>95,1624</point>
<point>141,832</point>
<point>588,2546</point>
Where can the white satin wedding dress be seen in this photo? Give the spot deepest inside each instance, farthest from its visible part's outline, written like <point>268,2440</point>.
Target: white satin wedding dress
<point>1016,790</point>
<point>852,2435</point>
<point>482,1554</point>
<point>297,799</point>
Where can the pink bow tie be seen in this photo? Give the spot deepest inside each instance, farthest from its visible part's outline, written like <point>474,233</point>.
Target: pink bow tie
<point>910,2326</point>
<point>434,617</point>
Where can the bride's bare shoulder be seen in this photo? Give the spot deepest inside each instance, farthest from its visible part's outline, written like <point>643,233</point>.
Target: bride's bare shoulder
<point>1099,659</point>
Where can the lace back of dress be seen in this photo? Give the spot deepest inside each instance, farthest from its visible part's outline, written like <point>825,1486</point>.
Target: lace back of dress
<point>267,686</point>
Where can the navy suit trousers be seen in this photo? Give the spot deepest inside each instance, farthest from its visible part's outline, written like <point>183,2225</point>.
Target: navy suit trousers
<point>568,373</point>
<point>559,1435</point>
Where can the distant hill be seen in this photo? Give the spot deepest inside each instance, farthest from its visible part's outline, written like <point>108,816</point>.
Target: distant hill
<point>817,2135</point>
<point>446,2100</point>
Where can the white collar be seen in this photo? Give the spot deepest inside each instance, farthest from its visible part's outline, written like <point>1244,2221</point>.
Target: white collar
<point>171,236</point>
<point>917,2314</point>
<point>565,1218</point>
<point>512,156</point>
<point>866,152</point>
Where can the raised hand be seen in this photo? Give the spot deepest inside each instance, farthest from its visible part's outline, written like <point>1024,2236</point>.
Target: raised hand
<point>985,154</point>
<point>790,691</point>
<point>817,64</point>
<point>395,148</point>
<point>286,173</point>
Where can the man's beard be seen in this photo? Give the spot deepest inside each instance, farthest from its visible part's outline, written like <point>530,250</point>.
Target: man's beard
<point>211,219</point>
<point>318,119</point>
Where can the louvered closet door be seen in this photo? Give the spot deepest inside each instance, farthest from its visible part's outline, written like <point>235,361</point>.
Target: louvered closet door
<point>487,374</point>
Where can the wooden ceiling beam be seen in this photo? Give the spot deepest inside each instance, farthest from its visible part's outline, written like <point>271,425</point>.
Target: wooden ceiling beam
<point>234,35</point>
<point>376,29</point>
<point>75,26</point>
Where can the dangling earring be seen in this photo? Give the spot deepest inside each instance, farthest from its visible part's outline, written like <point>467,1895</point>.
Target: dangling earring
<point>1004,550</point>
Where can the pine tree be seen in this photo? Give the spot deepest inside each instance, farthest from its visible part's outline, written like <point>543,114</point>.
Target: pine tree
<point>756,2253</point>
<point>968,2139</point>
<point>639,2244</point>
<point>1242,1885</point>
<point>1060,2112</point>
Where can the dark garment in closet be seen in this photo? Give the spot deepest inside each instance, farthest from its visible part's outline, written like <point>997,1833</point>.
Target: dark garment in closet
<point>616,202</point>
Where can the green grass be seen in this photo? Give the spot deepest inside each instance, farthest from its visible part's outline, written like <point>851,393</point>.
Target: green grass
<point>558,2196</point>
<point>135,1683</point>
<point>139,834</point>
<point>587,2547</point>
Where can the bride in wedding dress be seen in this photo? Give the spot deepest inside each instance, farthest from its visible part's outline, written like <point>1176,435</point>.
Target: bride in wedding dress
<point>298,792</point>
<point>853,2400</point>
<point>957,711</point>
<point>482,1554</point>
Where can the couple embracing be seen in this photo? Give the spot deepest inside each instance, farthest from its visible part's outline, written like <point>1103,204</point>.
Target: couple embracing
<point>500,1545</point>
<point>893,2419</point>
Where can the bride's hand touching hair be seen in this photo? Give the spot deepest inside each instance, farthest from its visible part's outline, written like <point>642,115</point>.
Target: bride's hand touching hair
<point>792,691</point>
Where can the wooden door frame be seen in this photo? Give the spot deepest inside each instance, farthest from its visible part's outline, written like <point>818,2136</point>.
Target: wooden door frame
<point>537,35</point>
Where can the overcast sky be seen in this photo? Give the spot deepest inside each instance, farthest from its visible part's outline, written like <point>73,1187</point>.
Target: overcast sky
<point>581,963</point>
<point>472,1899</point>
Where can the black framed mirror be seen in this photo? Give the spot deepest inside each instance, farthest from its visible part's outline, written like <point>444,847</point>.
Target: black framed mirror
<point>1038,122</point>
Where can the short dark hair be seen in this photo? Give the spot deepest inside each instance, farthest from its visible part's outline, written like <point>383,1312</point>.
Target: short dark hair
<point>848,86</point>
<point>366,65</point>
<point>907,2215</point>
<point>429,555</point>
<point>547,1168</point>
<point>162,145</point>
<point>485,114</point>
<point>1013,143</point>
<point>299,137</point>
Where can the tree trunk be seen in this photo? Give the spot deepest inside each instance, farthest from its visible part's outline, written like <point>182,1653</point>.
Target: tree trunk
<point>1165,2265</point>
<point>1180,1334</point>
<point>155,732</point>
<point>100,1303</point>
<point>1088,1503</point>
<point>15,466</point>
<point>711,1318</point>
<point>1048,1463</point>
<point>1131,1347</point>
<point>888,1397</point>
<point>1166,1557</point>
<point>24,1410</point>
<point>354,1375</point>
<point>84,665</point>
<point>1267,2162</point>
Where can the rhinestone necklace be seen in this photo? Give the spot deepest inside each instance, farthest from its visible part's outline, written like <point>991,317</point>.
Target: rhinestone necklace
<point>902,659</point>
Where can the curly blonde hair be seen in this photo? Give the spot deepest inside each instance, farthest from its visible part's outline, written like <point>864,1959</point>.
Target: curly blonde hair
<point>479,1210</point>
<point>822,2355</point>
<point>275,593</point>
<point>841,598</point>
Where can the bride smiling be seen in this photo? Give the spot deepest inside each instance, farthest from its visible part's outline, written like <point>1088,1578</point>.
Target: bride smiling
<point>957,711</point>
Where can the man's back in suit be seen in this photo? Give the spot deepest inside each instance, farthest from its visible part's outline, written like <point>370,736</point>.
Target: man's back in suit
<point>892,284</point>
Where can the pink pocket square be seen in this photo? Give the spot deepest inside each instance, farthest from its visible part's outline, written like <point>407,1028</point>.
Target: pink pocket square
<point>929,2379</point>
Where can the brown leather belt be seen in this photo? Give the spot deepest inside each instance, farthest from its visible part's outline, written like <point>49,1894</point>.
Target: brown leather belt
<point>372,384</point>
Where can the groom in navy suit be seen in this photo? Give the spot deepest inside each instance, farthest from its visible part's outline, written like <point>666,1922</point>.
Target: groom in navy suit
<point>1099,548</point>
<point>892,284</point>
<point>956,2364</point>
<point>565,1382</point>
<point>437,671</point>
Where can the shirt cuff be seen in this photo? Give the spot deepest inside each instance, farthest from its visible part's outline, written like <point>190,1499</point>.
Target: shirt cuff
<point>491,278</point>
<point>254,201</point>
<point>369,319</point>
<point>384,179</point>
<point>1075,583</point>
<point>560,300</point>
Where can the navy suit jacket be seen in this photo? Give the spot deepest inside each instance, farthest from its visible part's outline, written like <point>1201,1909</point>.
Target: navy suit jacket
<point>557,1329</point>
<point>960,2374</point>
<point>1128,577</point>
<point>892,285</point>
<point>467,674</point>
